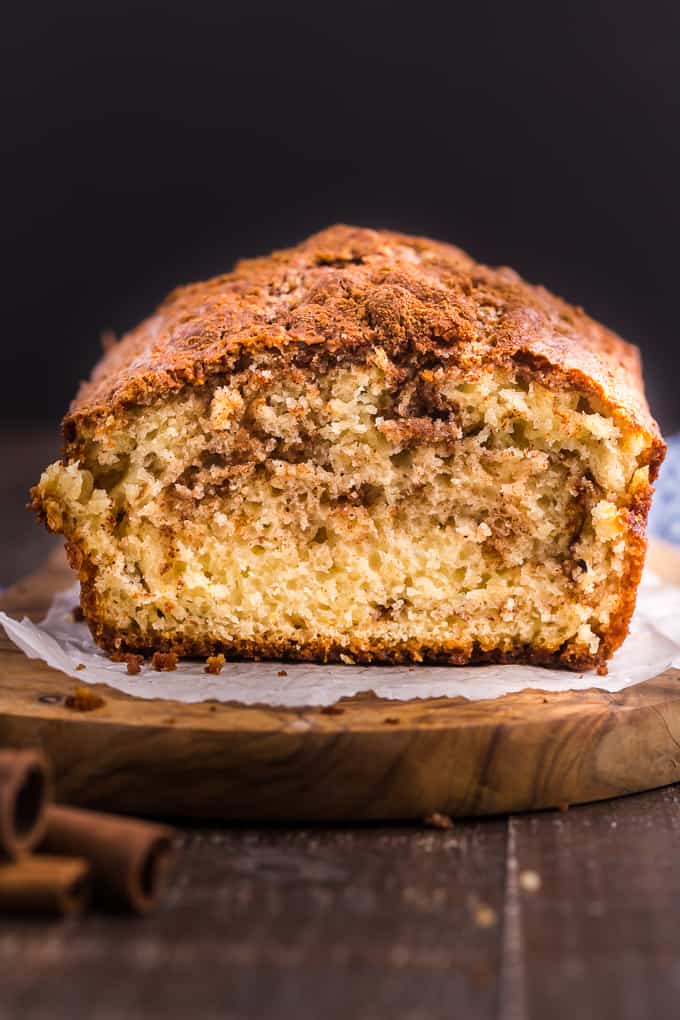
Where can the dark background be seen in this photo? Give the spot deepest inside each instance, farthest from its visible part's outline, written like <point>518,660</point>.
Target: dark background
<point>148,144</point>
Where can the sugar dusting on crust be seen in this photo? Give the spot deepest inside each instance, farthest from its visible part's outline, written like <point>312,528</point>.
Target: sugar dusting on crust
<point>350,289</point>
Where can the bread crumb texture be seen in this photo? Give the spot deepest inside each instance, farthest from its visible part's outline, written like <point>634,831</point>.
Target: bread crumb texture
<point>366,508</point>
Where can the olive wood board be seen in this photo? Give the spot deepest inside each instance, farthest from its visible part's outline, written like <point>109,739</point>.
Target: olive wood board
<point>365,759</point>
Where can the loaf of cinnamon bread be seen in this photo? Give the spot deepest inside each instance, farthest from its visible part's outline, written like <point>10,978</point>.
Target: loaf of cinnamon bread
<point>367,448</point>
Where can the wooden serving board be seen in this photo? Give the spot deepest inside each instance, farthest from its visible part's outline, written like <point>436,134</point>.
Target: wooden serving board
<point>366,759</point>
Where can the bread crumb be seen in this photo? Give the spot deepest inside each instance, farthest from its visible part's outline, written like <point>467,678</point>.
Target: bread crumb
<point>134,664</point>
<point>227,403</point>
<point>164,662</point>
<point>81,665</point>
<point>438,820</point>
<point>282,672</point>
<point>530,881</point>
<point>483,915</point>
<point>84,700</point>
<point>214,664</point>
<point>602,670</point>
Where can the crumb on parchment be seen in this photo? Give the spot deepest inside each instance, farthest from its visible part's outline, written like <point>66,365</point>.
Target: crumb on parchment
<point>164,662</point>
<point>214,664</point>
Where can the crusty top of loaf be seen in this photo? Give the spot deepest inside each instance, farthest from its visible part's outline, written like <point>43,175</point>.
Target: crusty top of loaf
<point>349,289</point>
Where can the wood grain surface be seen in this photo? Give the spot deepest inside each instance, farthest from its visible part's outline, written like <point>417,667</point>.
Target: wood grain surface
<point>370,759</point>
<point>550,915</point>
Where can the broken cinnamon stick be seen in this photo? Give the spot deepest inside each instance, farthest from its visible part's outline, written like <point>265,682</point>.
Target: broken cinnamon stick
<point>44,885</point>
<point>130,859</point>
<point>26,788</point>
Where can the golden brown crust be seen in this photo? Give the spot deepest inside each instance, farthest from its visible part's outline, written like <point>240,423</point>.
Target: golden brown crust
<point>348,290</point>
<point>376,652</point>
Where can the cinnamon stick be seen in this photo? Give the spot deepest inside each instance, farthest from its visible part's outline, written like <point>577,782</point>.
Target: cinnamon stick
<point>26,787</point>
<point>130,859</point>
<point>44,885</point>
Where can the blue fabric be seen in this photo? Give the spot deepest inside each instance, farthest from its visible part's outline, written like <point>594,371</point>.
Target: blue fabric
<point>664,519</point>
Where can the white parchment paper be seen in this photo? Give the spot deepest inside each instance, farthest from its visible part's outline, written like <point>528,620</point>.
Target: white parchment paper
<point>652,646</point>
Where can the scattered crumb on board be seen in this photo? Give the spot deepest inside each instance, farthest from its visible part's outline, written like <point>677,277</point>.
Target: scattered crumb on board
<point>84,700</point>
<point>438,820</point>
<point>530,881</point>
<point>483,915</point>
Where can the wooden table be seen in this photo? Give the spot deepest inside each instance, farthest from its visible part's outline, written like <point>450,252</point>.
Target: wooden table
<point>552,915</point>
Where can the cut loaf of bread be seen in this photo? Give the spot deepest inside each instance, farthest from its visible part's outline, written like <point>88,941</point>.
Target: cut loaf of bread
<point>368,448</point>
